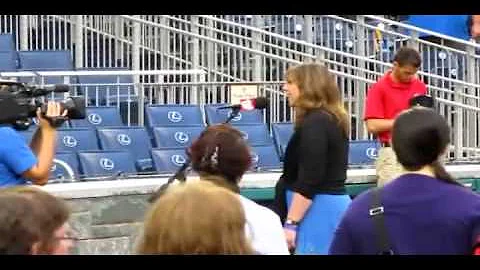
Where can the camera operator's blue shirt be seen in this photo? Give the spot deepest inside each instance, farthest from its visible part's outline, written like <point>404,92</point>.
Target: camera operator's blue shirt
<point>16,157</point>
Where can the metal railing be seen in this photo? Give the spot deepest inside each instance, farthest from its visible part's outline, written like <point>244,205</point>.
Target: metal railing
<point>249,51</point>
<point>195,92</point>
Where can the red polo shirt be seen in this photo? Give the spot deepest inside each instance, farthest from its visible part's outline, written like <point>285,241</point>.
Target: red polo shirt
<point>386,99</point>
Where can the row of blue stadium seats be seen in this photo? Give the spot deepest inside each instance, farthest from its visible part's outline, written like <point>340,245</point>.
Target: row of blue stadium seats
<point>35,60</point>
<point>137,140</point>
<point>172,141</point>
<point>166,115</point>
<point>114,163</point>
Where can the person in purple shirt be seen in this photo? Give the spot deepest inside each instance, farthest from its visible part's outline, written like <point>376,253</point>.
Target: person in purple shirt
<point>425,211</point>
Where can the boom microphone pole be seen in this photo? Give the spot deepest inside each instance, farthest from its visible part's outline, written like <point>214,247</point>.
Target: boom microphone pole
<point>246,105</point>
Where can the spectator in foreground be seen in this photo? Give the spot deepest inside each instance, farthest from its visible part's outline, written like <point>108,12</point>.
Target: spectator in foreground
<point>33,221</point>
<point>221,155</point>
<point>195,218</point>
<point>425,211</point>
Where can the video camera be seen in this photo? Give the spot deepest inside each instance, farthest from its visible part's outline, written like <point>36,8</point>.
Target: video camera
<point>19,103</point>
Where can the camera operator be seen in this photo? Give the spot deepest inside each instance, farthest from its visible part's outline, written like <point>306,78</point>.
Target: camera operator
<point>20,163</point>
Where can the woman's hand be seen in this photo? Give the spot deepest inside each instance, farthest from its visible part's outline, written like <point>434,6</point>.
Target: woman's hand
<point>291,236</point>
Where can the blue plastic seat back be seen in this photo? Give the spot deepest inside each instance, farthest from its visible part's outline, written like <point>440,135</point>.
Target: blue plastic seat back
<point>363,152</point>
<point>168,160</point>
<point>99,117</point>
<point>7,44</point>
<point>255,134</point>
<point>105,163</point>
<point>173,115</point>
<point>176,137</point>
<point>282,132</point>
<point>45,60</point>
<point>8,61</point>
<point>265,157</point>
<point>132,139</point>
<point>77,139</point>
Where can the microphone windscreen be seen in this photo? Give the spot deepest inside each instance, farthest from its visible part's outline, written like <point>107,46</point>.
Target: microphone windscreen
<point>261,103</point>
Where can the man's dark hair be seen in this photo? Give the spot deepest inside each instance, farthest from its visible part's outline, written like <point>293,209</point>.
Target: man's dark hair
<point>408,56</point>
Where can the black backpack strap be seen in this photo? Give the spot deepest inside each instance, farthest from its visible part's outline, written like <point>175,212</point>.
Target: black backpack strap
<point>376,212</point>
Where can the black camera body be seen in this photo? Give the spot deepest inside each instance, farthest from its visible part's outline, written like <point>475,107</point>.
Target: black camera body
<point>19,103</point>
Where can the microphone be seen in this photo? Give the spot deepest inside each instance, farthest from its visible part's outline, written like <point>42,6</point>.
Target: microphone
<point>248,104</point>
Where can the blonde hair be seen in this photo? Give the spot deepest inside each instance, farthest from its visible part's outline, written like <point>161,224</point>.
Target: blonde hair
<point>318,89</point>
<point>195,218</point>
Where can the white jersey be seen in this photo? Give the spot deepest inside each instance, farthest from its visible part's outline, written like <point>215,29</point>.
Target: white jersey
<point>264,229</point>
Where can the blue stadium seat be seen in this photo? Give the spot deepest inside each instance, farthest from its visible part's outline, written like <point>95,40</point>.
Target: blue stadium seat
<point>363,152</point>
<point>77,139</point>
<point>177,137</point>
<point>255,134</point>
<point>58,173</point>
<point>132,139</point>
<point>281,136</point>
<point>168,160</point>
<point>173,115</point>
<point>106,163</point>
<point>99,117</point>
<point>265,157</point>
<point>8,61</point>
<point>214,116</point>
<point>45,60</point>
<point>6,43</point>
<point>111,88</point>
<point>28,134</point>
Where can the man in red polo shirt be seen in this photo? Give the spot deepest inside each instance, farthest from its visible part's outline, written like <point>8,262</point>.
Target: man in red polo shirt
<point>389,96</point>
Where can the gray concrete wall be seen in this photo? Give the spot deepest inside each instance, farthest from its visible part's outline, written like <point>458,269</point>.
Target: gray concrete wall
<point>107,225</point>
<point>107,215</point>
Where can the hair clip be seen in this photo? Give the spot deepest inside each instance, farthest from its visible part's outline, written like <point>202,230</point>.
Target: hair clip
<point>214,157</point>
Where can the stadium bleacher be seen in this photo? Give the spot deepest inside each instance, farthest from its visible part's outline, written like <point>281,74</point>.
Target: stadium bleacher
<point>161,149</point>
<point>172,127</point>
<point>6,43</point>
<point>132,139</point>
<point>8,61</point>
<point>107,89</point>
<point>99,117</point>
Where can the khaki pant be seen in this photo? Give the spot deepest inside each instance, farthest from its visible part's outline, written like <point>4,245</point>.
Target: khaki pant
<point>387,166</point>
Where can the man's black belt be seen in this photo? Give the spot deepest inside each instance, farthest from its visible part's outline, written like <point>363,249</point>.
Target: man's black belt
<point>385,144</point>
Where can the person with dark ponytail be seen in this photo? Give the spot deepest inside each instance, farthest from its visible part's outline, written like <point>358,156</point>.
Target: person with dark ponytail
<point>424,211</point>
